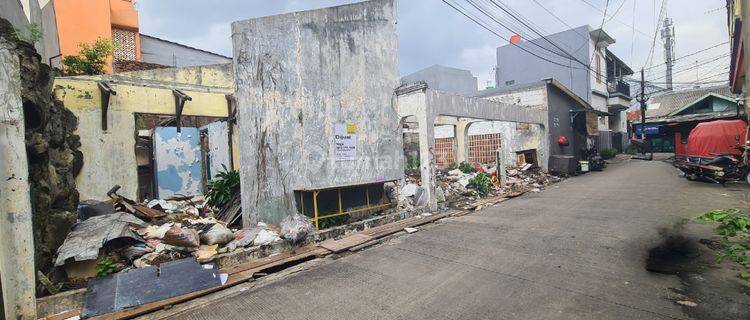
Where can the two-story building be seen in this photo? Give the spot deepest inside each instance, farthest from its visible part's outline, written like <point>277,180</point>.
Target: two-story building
<point>580,60</point>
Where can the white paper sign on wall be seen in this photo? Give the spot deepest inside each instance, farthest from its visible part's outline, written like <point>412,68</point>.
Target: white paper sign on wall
<point>345,140</point>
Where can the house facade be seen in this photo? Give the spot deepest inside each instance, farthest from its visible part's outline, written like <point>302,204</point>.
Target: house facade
<point>571,120</point>
<point>671,116</point>
<point>580,60</point>
<point>67,24</point>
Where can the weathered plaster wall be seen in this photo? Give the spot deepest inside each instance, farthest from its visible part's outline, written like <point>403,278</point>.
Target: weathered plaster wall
<point>216,76</point>
<point>298,75</point>
<point>110,155</point>
<point>16,232</point>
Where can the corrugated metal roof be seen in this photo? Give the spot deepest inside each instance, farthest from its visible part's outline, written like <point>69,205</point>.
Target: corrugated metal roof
<point>669,102</point>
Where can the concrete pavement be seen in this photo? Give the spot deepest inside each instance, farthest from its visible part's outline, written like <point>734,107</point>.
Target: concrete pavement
<point>575,251</point>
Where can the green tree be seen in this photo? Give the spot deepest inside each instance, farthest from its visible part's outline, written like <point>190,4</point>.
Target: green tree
<point>92,58</point>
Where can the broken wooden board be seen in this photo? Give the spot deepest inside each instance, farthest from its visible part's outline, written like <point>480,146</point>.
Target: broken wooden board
<point>146,212</point>
<point>346,242</point>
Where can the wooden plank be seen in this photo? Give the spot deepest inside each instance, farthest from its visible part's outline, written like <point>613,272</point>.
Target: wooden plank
<point>346,242</point>
<point>63,315</point>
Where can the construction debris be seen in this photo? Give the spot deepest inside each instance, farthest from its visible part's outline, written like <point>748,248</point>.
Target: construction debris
<point>454,188</point>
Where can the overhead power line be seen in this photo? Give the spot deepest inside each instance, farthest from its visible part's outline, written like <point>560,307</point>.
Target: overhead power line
<point>475,20</point>
<point>690,55</point>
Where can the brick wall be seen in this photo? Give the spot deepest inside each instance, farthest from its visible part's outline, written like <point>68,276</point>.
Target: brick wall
<point>482,147</point>
<point>445,151</point>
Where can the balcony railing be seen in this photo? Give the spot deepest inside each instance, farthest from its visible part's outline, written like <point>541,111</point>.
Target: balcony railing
<point>618,86</point>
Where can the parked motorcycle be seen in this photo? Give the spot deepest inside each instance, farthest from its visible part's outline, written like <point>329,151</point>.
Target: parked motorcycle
<point>721,169</point>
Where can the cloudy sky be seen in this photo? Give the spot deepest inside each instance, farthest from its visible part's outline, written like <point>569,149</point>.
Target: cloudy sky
<point>430,32</point>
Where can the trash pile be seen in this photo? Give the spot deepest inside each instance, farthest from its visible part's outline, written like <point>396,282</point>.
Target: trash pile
<point>120,234</point>
<point>457,187</point>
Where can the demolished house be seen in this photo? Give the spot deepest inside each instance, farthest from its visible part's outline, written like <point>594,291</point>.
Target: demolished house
<point>519,138</point>
<point>310,116</point>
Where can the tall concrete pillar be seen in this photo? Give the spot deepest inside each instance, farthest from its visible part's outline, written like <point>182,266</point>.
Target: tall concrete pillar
<point>426,157</point>
<point>16,233</point>
<point>462,149</point>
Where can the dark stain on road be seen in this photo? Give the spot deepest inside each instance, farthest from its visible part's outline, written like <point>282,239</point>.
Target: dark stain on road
<point>710,291</point>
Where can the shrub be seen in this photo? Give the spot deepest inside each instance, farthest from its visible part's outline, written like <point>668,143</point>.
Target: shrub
<point>481,183</point>
<point>222,188</point>
<point>608,153</point>
<point>412,163</point>
<point>105,267</point>
<point>466,167</point>
<point>735,236</point>
<point>91,60</point>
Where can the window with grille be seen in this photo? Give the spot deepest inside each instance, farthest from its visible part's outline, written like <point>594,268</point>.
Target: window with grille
<point>124,44</point>
<point>482,148</point>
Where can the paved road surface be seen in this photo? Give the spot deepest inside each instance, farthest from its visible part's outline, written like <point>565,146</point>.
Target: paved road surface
<point>575,251</point>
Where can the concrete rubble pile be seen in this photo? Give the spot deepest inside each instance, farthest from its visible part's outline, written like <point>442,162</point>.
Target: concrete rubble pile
<point>454,187</point>
<point>120,235</point>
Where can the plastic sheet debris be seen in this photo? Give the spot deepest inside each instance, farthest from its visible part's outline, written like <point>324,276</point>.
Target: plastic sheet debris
<point>266,237</point>
<point>137,250</point>
<point>182,237</point>
<point>217,234</point>
<point>295,228</point>
<point>206,253</point>
<point>88,236</point>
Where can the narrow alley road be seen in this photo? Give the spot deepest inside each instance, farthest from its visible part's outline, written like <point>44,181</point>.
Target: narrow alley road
<point>575,251</point>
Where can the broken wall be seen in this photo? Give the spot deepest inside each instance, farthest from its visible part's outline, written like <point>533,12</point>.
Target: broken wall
<point>300,76</point>
<point>110,154</point>
<point>52,151</point>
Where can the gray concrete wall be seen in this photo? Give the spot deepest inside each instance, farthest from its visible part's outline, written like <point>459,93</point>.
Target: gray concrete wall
<point>297,75</point>
<point>559,122</point>
<point>12,10</point>
<point>514,64</point>
<point>155,50</point>
<point>445,79</point>
<point>51,40</point>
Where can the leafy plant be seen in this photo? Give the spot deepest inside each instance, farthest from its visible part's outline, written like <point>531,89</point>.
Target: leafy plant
<point>33,34</point>
<point>735,236</point>
<point>222,187</point>
<point>481,183</point>
<point>92,58</point>
<point>452,166</point>
<point>412,163</point>
<point>105,267</point>
<point>332,222</point>
<point>466,167</point>
<point>608,153</point>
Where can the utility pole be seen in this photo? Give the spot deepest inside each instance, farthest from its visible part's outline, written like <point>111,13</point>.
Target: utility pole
<point>667,35</point>
<point>745,8</point>
<point>642,99</point>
